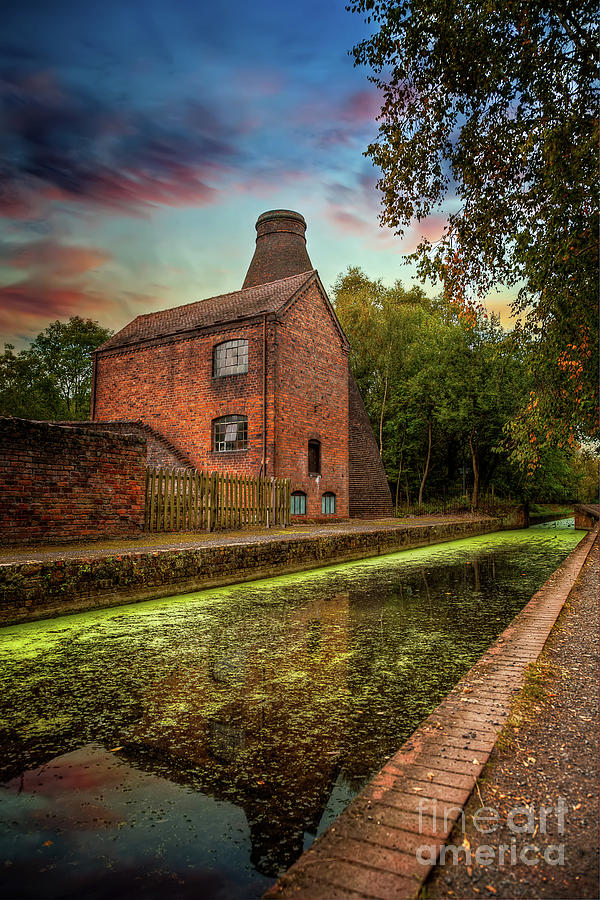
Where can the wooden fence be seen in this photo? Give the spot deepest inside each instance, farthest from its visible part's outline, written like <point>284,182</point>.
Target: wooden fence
<point>189,500</point>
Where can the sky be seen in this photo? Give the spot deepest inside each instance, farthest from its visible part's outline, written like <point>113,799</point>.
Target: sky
<point>140,141</point>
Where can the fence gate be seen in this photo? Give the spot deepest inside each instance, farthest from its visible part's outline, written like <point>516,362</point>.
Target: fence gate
<point>190,500</point>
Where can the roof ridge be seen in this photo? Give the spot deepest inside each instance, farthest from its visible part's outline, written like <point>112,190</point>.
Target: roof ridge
<point>210,311</point>
<point>227,294</point>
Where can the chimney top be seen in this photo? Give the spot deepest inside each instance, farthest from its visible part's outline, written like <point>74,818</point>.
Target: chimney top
<point>280,248</point>
<point>295,222</point>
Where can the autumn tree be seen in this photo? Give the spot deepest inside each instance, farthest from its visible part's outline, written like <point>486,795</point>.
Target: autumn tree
<point>494,105</point>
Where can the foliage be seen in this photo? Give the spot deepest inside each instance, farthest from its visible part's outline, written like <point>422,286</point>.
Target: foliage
<point>52,378</point>
<point>439,390</point>
<point>493,105</point>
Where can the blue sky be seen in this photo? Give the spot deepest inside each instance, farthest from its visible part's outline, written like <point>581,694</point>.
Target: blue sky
<point>139,141</point>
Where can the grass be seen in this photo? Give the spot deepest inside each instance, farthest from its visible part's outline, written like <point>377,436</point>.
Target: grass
<point>539,677</point>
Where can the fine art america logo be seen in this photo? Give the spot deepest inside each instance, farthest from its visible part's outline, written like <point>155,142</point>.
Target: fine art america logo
<point>523,823</point>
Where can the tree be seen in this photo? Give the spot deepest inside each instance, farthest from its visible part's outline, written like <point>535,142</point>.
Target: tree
<point>496,103</point>
<point>52,378</point>
<point>25,389</point>
<point>381,322</point>
<point>438,389</point>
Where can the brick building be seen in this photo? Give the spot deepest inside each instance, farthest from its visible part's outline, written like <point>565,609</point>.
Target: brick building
<point>256,381</point>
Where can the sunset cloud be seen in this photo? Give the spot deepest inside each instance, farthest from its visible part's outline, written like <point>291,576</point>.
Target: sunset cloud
<point>361,106</point>
<point>135,144</point>
<point>71,148</point>
<point>55,259</point>
<point>27,306</point>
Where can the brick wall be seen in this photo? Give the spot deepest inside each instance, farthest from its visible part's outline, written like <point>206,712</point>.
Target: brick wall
<point>159,451</point>
<point>311,401</point>
<point>169,386</point>
<point>369,489</point>
<point>65,483</point>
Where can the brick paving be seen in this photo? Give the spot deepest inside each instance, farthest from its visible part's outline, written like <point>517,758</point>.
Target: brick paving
<point>372,850</point>
<point>548,756</point>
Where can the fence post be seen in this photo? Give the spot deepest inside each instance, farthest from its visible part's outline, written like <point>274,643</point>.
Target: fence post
<point>164,477</point>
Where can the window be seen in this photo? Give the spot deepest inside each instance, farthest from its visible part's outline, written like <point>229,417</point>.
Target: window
<point>230,433</point>
<point>328,504</point>
<point>298,503</point>
<point>314,457</point>
<point>230,358</point>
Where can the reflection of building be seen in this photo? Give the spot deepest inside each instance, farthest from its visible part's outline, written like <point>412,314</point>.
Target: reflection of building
<point>255,381</point>
<point>259,721</point>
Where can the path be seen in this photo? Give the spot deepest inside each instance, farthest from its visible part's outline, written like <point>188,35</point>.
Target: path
<point>192,540</point>
<point>549,751</point>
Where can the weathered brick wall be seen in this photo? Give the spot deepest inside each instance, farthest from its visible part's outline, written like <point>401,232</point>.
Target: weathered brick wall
<point>311,401</point>
<point>169,386</point>
<point>65,484</point>
<point>369,489</point>
<point>159,451</point>
<point>586,516</point>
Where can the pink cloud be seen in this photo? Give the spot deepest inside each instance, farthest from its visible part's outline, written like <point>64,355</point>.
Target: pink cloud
<point>60,260</point>
<point>361,106</point>
<point>348,221</point>
<point>431,229</point>
<point>68,147</point>
<point>27,306</point>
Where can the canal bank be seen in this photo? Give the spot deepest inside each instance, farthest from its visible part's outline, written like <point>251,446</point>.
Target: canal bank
<point>389,839</point>
<point>546,757</point>
<point>200,742</point>
<point>37,583</point>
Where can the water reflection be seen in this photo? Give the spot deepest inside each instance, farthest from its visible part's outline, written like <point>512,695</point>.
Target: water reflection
<point>247,716</point>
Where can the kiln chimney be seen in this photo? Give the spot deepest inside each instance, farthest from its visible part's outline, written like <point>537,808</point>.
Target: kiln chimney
<point>280,248</point>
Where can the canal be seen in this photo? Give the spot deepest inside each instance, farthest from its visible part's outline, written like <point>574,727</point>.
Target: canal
<point>194,746</point>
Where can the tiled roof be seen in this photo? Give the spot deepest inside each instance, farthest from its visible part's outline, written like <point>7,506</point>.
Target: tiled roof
<point>254,301</point>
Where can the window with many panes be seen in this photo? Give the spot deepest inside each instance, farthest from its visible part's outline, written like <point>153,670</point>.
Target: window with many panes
<point>230,358</point>
<point>328,504</point>
<point>314,457</point>
<point>298,503</point>
<point>230,433</point>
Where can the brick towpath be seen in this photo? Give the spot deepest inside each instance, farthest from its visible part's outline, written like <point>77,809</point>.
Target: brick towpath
<point>386,842</point>
<point>549,752</point>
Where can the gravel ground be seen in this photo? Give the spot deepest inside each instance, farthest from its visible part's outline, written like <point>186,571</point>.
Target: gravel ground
<point>546,757</point>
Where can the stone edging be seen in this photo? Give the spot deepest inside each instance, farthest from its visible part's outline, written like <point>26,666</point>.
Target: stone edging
<point>416,798</point>
<point>42,589</point>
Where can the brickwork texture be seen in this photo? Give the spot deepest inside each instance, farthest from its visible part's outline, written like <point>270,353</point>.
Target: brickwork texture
<point>62,483</point>
<point>158,371</point>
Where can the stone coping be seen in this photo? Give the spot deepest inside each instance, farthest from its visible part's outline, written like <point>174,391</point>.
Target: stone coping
<point>216,539</point>
<point>59,583</point>
<point>404,815</point>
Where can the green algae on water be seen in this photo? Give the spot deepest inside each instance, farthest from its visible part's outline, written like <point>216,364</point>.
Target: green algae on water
<point>275,700</point>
